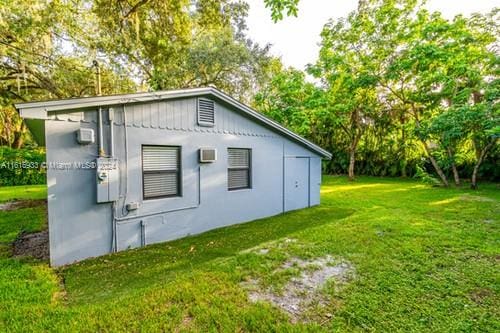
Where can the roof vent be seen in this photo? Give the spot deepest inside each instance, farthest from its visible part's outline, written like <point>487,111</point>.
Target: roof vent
<point>206,112</point>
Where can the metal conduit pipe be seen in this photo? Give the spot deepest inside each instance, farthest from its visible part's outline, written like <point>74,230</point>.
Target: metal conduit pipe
<point>111,116</point>
<point>143,233</point>
<point>99,130</point>
<point>125,218</point>
<point>114,240</point>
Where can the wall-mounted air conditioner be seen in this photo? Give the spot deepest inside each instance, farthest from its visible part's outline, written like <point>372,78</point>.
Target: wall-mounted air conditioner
<point>208,155</point>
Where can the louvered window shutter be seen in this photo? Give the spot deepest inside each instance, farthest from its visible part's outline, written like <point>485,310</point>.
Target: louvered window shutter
<point>161,171</point>
<point>239,168</point>
<point>206,112</point>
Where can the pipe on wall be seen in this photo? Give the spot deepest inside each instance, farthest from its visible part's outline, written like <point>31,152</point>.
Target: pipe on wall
<point>125,134</point>
<point>99,125</point>
<point>114,245</point>
<point>143,233</point>
<point>114,241</point>
<point>111,116</point>
<point>125,218</point>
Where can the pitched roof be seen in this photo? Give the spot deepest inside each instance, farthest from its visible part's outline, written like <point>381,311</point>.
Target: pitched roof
<point>39,110</point>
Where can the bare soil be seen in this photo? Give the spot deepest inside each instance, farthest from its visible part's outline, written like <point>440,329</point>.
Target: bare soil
<point>305,291</point>
<point>19,204</point>
<point>35,245</point>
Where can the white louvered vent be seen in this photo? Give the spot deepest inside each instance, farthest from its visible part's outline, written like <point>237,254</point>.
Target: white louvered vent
<point>206,112</point>
<point>161,171</point>
<point>239,172</point>
<point>208,155</point>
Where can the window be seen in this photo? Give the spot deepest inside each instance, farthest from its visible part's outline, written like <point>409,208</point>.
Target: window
<point>161,172</point>
<point>239,170</point>
<point>206,112</point>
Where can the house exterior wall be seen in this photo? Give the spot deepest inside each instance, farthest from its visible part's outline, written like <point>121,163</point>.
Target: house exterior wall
<point>80,228</point>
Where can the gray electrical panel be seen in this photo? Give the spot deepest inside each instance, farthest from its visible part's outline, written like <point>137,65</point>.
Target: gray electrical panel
<point>107,174</point>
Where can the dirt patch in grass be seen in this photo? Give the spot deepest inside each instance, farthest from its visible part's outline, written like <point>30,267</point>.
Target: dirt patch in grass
<point>475,198</point>
<point>19,204</point>
<point>306,291</point>
<point>35,245</point>
<point>480,294</point>
<point>281,244</point>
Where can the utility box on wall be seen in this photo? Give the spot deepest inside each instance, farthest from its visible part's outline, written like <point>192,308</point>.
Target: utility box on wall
<point>85,136</point>
<point>107,178</point>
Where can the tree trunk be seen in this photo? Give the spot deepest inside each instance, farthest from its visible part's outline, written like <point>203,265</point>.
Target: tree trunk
<point>19,136</point>
<point>352,160</point>
<point>403,148</point>
<point>456,177</point>
<point>473,183</point>
<point>18,140</point>
<point>428,151</point>
<point>352,155</point>
<point>435,165</point>
<point>403,170</point>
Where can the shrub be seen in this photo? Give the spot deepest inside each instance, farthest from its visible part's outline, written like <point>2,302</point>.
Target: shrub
<point>22,166</point>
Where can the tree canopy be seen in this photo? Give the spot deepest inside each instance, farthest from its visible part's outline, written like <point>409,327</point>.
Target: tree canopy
<point>401,91</point>
<point>48,49</point>
<point>395,90</point>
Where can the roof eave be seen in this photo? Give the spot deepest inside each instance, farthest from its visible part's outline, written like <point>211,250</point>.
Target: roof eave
<point>40,110</point>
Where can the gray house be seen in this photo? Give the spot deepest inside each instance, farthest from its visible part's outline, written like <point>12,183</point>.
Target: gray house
<point>129,170</point>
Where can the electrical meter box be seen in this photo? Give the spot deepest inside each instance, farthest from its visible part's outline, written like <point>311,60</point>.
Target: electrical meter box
<point>107,177</point>
<point>85,136</point>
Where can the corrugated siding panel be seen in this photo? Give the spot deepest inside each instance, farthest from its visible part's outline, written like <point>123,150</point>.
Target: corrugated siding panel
<point>179,114</point>
<point>162,116</point>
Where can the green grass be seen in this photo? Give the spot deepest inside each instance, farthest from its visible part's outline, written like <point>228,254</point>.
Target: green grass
<point>23,192</point>
<point>426,260</point>
<point>16,221</point>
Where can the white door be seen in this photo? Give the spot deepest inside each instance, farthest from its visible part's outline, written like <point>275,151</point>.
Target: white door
<point>296,183</point>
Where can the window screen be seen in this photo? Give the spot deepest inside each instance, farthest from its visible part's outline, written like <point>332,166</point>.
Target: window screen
<point>206,112</point>
<point>239,170</point>
<point>161,171</point>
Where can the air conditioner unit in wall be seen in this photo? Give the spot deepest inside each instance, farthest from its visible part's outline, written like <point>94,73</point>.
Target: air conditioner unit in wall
<point>208,155</point>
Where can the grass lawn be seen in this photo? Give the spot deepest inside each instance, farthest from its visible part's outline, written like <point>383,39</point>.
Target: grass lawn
<point>426,260</point>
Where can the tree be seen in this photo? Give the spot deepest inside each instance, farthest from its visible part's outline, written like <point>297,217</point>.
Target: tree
<point>34,64</point>
<point>438,71</point>
<point>353,57</point>
<point>48,48</point>
<point>288,99</point>
<point>397,82</point>
<point>279,7</point>
<point>182,44</point>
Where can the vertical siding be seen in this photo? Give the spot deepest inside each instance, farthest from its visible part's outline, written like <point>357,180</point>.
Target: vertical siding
<point>174,115</point>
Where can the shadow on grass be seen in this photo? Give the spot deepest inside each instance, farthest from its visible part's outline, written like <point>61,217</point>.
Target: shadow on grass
<point>113,275</point>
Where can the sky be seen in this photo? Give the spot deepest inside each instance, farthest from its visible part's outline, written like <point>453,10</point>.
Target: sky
<point>295,39</point>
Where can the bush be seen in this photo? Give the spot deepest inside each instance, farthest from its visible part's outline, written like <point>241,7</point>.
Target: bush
<point>425,177</point>
<point>22,166</point>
